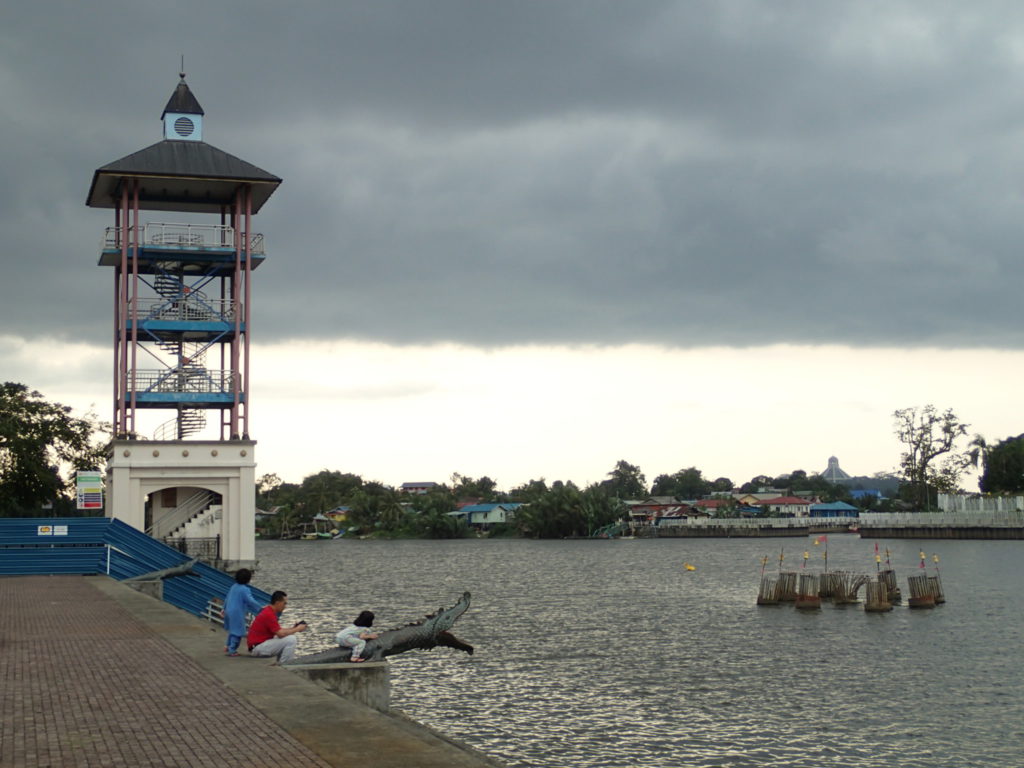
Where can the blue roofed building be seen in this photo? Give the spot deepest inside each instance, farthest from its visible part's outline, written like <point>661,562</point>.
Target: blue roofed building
<point>486,516</point>
<point>834,509</point>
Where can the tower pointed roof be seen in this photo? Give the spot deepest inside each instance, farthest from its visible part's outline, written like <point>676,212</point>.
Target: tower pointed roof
<point>182,172</point>
<point>182,101</point>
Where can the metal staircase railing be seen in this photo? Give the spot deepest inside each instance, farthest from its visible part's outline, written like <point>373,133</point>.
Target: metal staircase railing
<point>170,522</point>
<point>95,545</point>
<point>189,421</point>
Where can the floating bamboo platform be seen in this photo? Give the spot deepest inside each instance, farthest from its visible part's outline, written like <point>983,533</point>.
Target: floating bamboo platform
<point>936,585</point>
<point>893,593</point>
<point>786,591</point>
<point>807,590</point>
<point>877,596</point>
<point>827,584</point>
<point>846,586</point>
<point>768,593</point>
<point>921,595</point>
<point>807,598</point>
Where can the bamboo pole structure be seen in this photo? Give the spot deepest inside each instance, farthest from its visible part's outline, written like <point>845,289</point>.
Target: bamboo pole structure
<point>807,598</point>
<point>787,587</point>
<point>921,595</point>
<point>893,593</point>
<point>846,587</point>
<point>768,594</point>
<point>877,597</point>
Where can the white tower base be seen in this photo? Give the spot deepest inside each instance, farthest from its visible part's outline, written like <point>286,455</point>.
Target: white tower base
<point>173,474</point>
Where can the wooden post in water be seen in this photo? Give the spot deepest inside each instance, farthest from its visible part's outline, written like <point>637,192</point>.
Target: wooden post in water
<point>877,597</point>
<point>827,584</point>
<point>921,595</point>
<point>768,594</point>
<point>807,598</point>
<point>893,594</point>
<point>936,581</point>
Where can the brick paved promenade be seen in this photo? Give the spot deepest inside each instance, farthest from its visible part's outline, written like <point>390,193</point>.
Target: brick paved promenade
<point>93,673</point>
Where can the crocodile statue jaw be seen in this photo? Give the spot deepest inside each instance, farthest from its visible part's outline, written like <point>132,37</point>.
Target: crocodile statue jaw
<point>429,632</point>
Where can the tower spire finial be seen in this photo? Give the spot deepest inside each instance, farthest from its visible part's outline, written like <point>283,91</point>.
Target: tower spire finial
<point>181,72</point>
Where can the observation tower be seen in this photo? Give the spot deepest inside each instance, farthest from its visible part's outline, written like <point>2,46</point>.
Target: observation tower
<point>182,321</point>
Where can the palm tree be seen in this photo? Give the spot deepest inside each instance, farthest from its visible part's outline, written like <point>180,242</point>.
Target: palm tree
<point>978,452</point>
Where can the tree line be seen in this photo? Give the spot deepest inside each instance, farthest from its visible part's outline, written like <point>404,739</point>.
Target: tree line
<point>557,510</point>
<point>43,444</point>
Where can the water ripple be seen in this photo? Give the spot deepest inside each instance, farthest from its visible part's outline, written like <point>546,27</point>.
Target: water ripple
<point>610,655</point>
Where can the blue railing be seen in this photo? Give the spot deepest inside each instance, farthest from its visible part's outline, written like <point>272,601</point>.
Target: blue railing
<point>98,545</point>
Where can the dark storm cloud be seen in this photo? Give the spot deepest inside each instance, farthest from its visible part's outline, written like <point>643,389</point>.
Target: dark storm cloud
<point>528,172</point>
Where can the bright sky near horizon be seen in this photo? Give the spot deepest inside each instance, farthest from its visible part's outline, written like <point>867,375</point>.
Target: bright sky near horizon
<point>407,414</point>
<point>531,239</point>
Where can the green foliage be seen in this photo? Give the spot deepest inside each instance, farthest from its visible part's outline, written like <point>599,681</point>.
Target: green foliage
<point>721,485</point>
<point>625,481</point>
<point>41,446</point>
<point>755,484</point>
<point>482,489</point>
<point>564,510</point>
<point>684,484</point>
<point>528,492</point>
<point>1004,467</point>
<point>375,506</point>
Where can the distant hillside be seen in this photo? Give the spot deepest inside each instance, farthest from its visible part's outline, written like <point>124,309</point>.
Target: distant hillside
<point>888,485</point>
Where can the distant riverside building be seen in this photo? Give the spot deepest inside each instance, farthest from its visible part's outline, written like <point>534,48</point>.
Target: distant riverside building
<point>417,489</point>
<point>834,474</point>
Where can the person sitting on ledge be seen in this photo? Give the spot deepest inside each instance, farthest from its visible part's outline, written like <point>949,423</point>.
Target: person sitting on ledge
<point>266,638</point>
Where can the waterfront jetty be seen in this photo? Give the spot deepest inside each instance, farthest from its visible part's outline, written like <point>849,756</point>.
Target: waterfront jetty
<point>97,673</point>
<point>869,525</point>
<point>733,528</point>
<point>942,525</point>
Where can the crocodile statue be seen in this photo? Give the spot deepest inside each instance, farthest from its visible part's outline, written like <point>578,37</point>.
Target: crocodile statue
<point>429,632</point>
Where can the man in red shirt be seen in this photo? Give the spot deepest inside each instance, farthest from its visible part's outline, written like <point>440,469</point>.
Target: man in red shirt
<point>266,638</point>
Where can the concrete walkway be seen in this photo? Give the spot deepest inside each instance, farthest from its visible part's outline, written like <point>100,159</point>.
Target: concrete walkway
<point>93,673</point>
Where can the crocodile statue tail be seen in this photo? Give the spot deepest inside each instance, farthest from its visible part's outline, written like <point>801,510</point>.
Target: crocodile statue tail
<point>429,632</point>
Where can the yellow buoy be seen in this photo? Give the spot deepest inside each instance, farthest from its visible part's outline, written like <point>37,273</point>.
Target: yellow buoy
<point>689,567</point>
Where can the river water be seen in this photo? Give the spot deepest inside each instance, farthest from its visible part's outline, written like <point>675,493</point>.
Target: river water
<point>610,653</point>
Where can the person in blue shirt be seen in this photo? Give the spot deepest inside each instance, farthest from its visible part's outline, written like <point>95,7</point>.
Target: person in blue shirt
<point>238,602</point>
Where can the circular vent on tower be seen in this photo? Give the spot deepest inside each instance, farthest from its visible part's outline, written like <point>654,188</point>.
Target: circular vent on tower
<point>183,126</point>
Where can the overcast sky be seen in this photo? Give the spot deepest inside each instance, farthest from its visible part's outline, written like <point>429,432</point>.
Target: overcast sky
<point>657,178</point>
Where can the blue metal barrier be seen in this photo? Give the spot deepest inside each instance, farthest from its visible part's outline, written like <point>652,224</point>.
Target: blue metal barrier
<point>96,545</point>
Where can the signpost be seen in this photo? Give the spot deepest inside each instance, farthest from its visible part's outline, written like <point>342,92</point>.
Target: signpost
<point>90,490</point>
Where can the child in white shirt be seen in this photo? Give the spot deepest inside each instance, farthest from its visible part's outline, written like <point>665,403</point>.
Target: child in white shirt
<point>354,635</point>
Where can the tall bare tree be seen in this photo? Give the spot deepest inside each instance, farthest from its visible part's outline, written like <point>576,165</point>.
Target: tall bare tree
<point>927,434</point>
